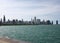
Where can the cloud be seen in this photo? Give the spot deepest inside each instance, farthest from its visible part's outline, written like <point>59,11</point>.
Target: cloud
<point>32,8</point>
<point>29,8</point>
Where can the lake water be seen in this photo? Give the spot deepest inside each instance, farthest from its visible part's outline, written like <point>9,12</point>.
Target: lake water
<point>32,33</point>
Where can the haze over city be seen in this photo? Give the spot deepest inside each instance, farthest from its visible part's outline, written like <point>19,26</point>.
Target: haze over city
<point>27,9</point>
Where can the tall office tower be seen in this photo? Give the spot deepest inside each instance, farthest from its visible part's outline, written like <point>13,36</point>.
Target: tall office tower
<point>31,21</point>
<point>56,21</point>
<point>34,20</point>
<point>1,20</point>
<point>52,22</point>
<point>4,19</point>
<point>38,21</point>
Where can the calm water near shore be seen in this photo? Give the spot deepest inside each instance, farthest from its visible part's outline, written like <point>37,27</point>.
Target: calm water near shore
<point>32,33</point>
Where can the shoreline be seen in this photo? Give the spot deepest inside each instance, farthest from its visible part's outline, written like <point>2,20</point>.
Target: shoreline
<point>7,40</point>
<point>25,25</point>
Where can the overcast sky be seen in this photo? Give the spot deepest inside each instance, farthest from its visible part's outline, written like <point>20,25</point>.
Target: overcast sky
<point>27,9</point>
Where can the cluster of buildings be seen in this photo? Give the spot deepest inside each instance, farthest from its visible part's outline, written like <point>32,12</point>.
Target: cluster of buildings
<point>33,21</point>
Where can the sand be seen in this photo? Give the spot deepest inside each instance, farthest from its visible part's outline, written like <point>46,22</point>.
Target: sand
<point>6,40</point>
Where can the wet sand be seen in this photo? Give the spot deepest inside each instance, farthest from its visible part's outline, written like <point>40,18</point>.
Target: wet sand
<point>6,40</point>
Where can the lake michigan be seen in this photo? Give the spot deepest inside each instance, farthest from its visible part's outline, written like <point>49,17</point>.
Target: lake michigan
<point>32,33</point>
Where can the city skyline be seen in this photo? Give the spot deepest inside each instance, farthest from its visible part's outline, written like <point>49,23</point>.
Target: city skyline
<point>33,21</point>
<point>27,9</point>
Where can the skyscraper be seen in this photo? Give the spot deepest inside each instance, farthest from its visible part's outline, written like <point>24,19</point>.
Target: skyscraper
<point>4,19</point>
<point>52,22</point>
<point>38,21</point>
<point>34,20</point>
<point>56,21</point>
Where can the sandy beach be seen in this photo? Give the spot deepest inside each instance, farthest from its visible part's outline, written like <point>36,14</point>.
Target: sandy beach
<point>6,40</point>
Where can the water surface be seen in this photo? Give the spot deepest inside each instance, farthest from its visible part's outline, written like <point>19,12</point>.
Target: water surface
<point>32,33</point>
